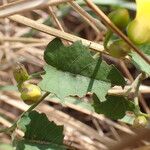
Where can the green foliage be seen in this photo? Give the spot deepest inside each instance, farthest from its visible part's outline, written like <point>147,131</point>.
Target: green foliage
<point>114,107</point>
<point>70,73</point>
<point>139,62</point>
<point>40,133</point>
<point>73,71</point>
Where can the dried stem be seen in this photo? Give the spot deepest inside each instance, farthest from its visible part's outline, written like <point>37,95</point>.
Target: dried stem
<point>55,32</point>
<point>26,5</point>
<point>85,16</point>
<point>58,24</point>
<point>55,19</point>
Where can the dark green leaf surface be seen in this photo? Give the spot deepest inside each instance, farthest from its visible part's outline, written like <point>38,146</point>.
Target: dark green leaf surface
<point>40,133</point>
<point>115,107</point>
<point>140,62</point>
<point>73,71</point>
<point>145,48</point>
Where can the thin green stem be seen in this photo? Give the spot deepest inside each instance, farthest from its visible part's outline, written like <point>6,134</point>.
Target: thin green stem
<point>37,103</point>
<point>36,75</point>
<point>145,115</point>
<point>136,87</point>
<point>107,38</point>
<point>10,129</point>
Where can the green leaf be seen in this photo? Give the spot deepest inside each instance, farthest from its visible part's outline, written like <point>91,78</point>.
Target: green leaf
<point>73,71</point>
<point>27,145</point>
<point>5,146</point>
<point>145,48</point>
<point>128,119</point>
<point>140,62</point>
<point>114,107</point>
<point>40,133</point>
<point>23,122</point>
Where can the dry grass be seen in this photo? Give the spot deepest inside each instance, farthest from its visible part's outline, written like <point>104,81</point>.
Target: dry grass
<point>90,131</point>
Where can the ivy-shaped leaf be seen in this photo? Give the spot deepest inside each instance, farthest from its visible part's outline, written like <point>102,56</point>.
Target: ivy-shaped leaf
<point>40,133</point>
<point>140,62</point>
<point>115,107</point>
<point>72,70</point>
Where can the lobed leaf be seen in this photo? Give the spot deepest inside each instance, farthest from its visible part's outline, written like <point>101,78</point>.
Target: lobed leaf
<point>115,107</point>
<point>139,62</point>
<point>73,71</point>
<point>40,133</point>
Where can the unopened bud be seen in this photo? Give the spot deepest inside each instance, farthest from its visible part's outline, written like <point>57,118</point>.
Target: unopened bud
<point>30,93</point>
<point>20,73</point>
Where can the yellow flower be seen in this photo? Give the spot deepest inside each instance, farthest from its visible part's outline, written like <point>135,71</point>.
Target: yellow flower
<point>139,29</point>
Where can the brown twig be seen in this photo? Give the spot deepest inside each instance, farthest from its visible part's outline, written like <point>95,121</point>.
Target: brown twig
<point>143,134</point>
<point>56,32</point>
<point>88,18</point>
<point>58,24</point>
<point>25,5</point>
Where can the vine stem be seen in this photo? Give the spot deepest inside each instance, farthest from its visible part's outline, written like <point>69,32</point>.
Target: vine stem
<point>36,75</point>
<point>135,86</point>
<point>10,129</point>
<point>108,22</point>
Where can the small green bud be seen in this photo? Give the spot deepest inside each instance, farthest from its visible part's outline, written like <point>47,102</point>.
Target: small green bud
<point>120,18</point>
<point>140,122</point>
<point>118,49</point>
<point>20,73</point>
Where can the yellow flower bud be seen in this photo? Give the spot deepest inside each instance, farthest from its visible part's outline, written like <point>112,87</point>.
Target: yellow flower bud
<point>30,93</point>
<point>20,73</point>
<point>139,29</point>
